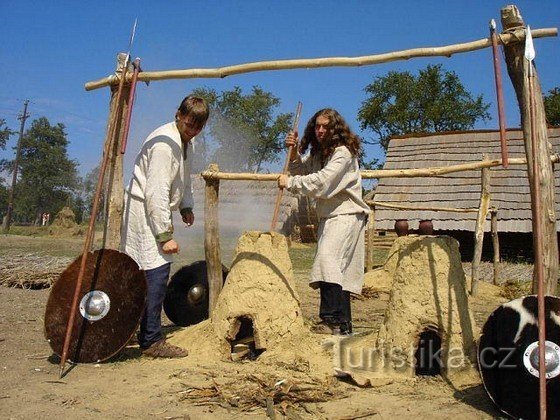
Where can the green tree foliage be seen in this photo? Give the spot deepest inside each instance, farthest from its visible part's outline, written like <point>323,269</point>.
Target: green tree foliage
<point>5,133</point>
<point>552,107</point>
<point>432,101</point>
<point>48,179</point>
<point>88,186</point>
<point>243,126</point>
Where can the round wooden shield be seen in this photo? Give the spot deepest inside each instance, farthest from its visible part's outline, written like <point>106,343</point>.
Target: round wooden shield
<point>508,357</point>
<point>187,299</point>
<point>110,305</point>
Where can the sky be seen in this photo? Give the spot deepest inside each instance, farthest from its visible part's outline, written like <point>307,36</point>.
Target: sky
<point>50,49</point>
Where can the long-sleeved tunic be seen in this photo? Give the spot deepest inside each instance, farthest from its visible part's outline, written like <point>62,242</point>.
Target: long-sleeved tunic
<point>161,183</point>
<point>337,190</point>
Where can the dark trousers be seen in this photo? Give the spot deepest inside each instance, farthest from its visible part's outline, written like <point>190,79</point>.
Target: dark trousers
<point>335,304</point>
<point>150,325</point>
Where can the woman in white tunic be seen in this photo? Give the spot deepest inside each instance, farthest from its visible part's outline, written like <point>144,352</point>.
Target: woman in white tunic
<point>161,183</point>
<point>330,175</point>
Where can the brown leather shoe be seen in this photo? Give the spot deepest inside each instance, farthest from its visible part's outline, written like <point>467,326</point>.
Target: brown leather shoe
<point>163,349</point>
<point>324,327</point>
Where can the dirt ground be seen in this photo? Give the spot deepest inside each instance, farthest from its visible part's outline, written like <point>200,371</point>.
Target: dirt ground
<point>130,386</point>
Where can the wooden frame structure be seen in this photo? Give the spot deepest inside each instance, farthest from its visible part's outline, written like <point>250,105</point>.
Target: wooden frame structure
<point>511,38</point>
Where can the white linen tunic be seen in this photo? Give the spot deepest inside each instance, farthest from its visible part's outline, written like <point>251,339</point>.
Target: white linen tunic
<point>342,213</point>
<point>161,183</point>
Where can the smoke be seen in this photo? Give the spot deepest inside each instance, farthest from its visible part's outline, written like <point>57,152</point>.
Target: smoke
<point>243,205</point>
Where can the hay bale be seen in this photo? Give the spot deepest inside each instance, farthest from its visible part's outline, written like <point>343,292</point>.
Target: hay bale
<point>65,218</point>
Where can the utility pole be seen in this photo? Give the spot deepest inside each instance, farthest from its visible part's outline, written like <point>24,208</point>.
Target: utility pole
<point>8,217</point>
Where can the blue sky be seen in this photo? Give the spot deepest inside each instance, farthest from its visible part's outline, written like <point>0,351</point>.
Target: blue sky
<point>51,48</point>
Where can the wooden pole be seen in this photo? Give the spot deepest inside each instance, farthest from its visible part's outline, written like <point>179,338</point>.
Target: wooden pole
<point>370,234</point>
<point>212,239</point>
<point>518,69</point>
<point>495,243</point>
<point>115,190</point>
<point>382,173</point>
<point>445,51</point>
<point>418,208</point>
<point>479,230</point>
<point>285,171</point>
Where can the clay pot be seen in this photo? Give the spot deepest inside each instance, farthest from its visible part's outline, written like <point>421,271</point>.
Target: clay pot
<point>401,227</point>
<point>426,227</point>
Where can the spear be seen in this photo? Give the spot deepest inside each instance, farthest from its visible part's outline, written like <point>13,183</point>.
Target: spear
<point>536,206</point>
<point>499,93</point>
<point>285,170</point>
<point>91,227</point>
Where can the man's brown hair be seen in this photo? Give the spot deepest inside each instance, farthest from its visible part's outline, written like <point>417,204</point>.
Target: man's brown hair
<point>196,108</point>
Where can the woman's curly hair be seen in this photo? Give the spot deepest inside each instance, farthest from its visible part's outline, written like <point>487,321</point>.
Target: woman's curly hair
<point>342,136</point>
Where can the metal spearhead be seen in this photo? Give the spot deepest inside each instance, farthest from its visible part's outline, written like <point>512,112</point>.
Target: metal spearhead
<point>529,49</point>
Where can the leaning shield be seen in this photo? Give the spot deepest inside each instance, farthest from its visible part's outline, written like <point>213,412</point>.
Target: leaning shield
<point>187,299</point>
<point>508,357</point>
<point>110,304</point>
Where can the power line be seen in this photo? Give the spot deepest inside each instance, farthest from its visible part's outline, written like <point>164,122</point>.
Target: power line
<point>8,217</point>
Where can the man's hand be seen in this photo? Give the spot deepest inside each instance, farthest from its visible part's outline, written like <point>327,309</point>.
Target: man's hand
<point>170,247</point>
<point>283,181</point>
<point>188,217</point>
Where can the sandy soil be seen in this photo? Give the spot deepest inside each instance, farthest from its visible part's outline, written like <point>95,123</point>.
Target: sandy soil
<point>130,386</point>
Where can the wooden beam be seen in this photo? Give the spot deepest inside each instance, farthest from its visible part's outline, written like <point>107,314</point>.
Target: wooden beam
<point>495,243</point>
<point>479,230</point>
<point>212,239</point>
<point>419,208</point>
<point>518,69</point>
<point>370,233</point>
<point>115,200</point>
<point>381,173</point>
<point>221,72</point>
<point>444,170</point>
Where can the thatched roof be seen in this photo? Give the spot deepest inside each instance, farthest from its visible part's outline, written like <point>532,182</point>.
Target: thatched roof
<point>509,187</point>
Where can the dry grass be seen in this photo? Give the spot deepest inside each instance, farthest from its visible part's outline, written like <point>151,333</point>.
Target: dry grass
<point>31,271</point>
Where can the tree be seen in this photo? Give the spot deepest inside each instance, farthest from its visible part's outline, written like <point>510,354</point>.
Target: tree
<point>245,131</point>
<point>433,101</point>
<point>48,179</point>
<point>552,107</point>
<point>5,133</point>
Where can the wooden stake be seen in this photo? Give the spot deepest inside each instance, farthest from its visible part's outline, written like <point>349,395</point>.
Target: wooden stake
<point>518,69</point>
<point>212,239</point>
<point>495,243</point>
<point>370,234</point>
<point>479,230</point>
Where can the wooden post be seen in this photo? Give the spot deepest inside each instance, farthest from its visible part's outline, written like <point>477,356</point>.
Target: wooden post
<point>479,230</point>
<point>518,69</point>
<point>370,234</point>
<point>115,199</point>
<point>495,243</point>
<point>212,238</point>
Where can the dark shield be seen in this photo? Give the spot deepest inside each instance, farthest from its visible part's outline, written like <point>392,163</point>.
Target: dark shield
<point>187,299</point>
<point>110,304</point>
<point>508,357</point>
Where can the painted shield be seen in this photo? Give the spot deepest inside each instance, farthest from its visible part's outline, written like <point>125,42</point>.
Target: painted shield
<point>110,305</point>
<point>187,299</point>
<point>508,357</point>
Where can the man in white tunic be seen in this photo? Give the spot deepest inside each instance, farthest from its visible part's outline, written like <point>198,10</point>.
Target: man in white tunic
<point>330,175</point>
<point>161,183</point>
